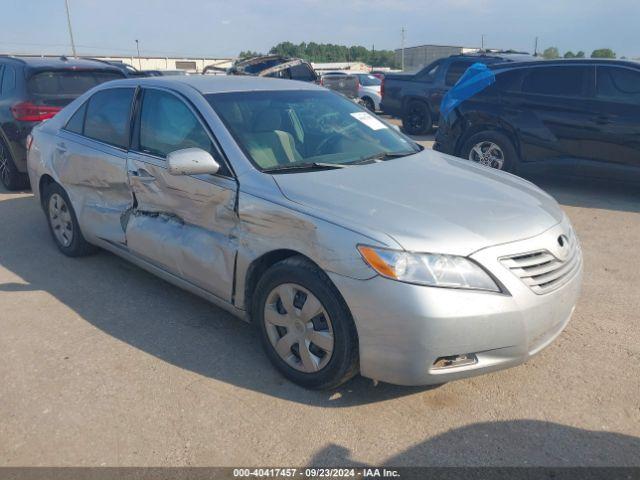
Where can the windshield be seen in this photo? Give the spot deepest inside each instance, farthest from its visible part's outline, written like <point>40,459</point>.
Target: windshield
<point>367,80</point>
<point>280,129</point>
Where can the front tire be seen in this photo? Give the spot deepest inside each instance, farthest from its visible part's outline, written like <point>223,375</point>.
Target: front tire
<point>306,328</point>
<point>416,118</point>
<point>10,177</point>
<point>63,223</point>
<point>491,149</point>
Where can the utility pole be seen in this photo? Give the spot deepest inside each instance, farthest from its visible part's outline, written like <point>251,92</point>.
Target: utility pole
<point>482,43</point>
<point>535,48</point>
<point>73,44</point>
<point>402,49</point>
<point>138,48</point>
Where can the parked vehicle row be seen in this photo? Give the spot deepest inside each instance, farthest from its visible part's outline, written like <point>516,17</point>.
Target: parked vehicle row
<point>352,248</point>
<point>577,117</point>
<point>33,90</point>
<point>416,97</point>
<point>367,87</point>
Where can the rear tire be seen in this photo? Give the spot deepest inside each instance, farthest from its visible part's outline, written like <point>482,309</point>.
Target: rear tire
<point>10,177</point>
<point>289,333</point>
<point>492,149</point>
<point>63,223</point>
<point>416,118</point>
<point>368,104</point>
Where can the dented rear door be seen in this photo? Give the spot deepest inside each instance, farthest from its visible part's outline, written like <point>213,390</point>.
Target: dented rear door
<point>184,224</point>
<point>90,160</point>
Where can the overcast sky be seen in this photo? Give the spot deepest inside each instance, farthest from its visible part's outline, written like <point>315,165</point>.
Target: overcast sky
<point>223,28</point>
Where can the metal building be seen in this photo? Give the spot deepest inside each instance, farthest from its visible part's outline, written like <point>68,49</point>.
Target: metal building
<point>417,57</point>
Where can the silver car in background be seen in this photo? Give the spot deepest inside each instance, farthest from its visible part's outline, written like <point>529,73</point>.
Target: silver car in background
<point>349,246</point>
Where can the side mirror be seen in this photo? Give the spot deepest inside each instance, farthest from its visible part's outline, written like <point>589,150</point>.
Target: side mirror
<point>191,161</point>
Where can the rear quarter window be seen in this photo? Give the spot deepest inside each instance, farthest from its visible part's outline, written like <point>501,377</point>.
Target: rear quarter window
<point>618,85</point>
<point>8,80</point>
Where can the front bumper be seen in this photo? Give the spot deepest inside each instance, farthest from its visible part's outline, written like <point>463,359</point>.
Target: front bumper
<point>403,329</point>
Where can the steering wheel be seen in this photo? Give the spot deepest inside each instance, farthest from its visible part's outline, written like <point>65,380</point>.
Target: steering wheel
<point>330,141</point>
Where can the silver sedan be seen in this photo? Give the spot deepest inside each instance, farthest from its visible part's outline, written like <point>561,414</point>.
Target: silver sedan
<point>349,246</point>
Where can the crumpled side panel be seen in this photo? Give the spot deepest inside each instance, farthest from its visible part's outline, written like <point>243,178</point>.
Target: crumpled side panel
<point>265,226</point>
<point>194,253</point>
<point>96,182</point>
<point>185,224</point>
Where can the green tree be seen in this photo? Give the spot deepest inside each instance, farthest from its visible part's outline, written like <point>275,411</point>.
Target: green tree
<point>550,53</point>
<point>569,54</point>
<point>603,53</point>
<point>580,54</point>
<point>328,52</point>
<point>248,54</point>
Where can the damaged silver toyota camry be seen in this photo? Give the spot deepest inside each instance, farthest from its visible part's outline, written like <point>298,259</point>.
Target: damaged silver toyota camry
<point>349,246</point>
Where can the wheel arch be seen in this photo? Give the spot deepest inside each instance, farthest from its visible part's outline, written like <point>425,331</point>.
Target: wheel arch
<point>45,180</point>
<point>499,127</point>
<point>259,266</point>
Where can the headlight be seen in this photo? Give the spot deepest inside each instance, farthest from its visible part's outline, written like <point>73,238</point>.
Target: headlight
<point>431,269</point>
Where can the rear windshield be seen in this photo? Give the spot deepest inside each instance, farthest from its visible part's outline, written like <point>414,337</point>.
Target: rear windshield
<point>369,80</point>
<point>68,82</point>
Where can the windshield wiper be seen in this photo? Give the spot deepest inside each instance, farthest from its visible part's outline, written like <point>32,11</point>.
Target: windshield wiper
<point>304,166</point>
<point>381,157</point>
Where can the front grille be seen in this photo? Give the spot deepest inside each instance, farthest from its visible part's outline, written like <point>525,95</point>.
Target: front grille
<point>542,271</point>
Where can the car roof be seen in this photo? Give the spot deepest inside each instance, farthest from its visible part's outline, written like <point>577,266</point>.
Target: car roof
<point>566,61</point>
<point>206,84</point>
<point>42,63</point>
<point>506,57</point>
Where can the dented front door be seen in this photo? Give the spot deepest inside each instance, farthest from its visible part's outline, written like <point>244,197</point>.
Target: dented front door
<point>184,224</point>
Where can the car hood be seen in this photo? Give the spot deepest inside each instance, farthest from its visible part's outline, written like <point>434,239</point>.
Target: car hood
<point>427,202</point>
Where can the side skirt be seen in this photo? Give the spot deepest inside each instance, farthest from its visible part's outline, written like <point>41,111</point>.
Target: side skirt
<point>173,279</point>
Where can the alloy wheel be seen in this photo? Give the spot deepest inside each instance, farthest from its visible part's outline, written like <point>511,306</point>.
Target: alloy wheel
<point>60,218</point>
<point>298,327</point>
<point>488,154</point>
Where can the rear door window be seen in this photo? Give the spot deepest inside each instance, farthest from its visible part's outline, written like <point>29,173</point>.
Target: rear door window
<point>618,84</point>
<point>455,71</point>
<point>558,81</point>
<point>108,116</point>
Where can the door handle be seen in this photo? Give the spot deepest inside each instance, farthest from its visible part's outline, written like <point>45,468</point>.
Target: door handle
<point>61,147</point>
<point>142,175</point>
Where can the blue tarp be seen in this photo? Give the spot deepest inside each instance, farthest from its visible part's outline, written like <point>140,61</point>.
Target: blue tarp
<point>475,79</point>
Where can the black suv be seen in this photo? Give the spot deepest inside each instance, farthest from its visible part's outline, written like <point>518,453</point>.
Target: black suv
<point>33,89</point>
<point>577,117</point>
<point>416,97</point>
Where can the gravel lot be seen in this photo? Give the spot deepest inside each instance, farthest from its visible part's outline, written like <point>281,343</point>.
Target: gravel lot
<point>104,364</point>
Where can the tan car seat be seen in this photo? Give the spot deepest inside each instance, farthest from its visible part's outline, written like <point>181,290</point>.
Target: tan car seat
<point>268,145</point>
